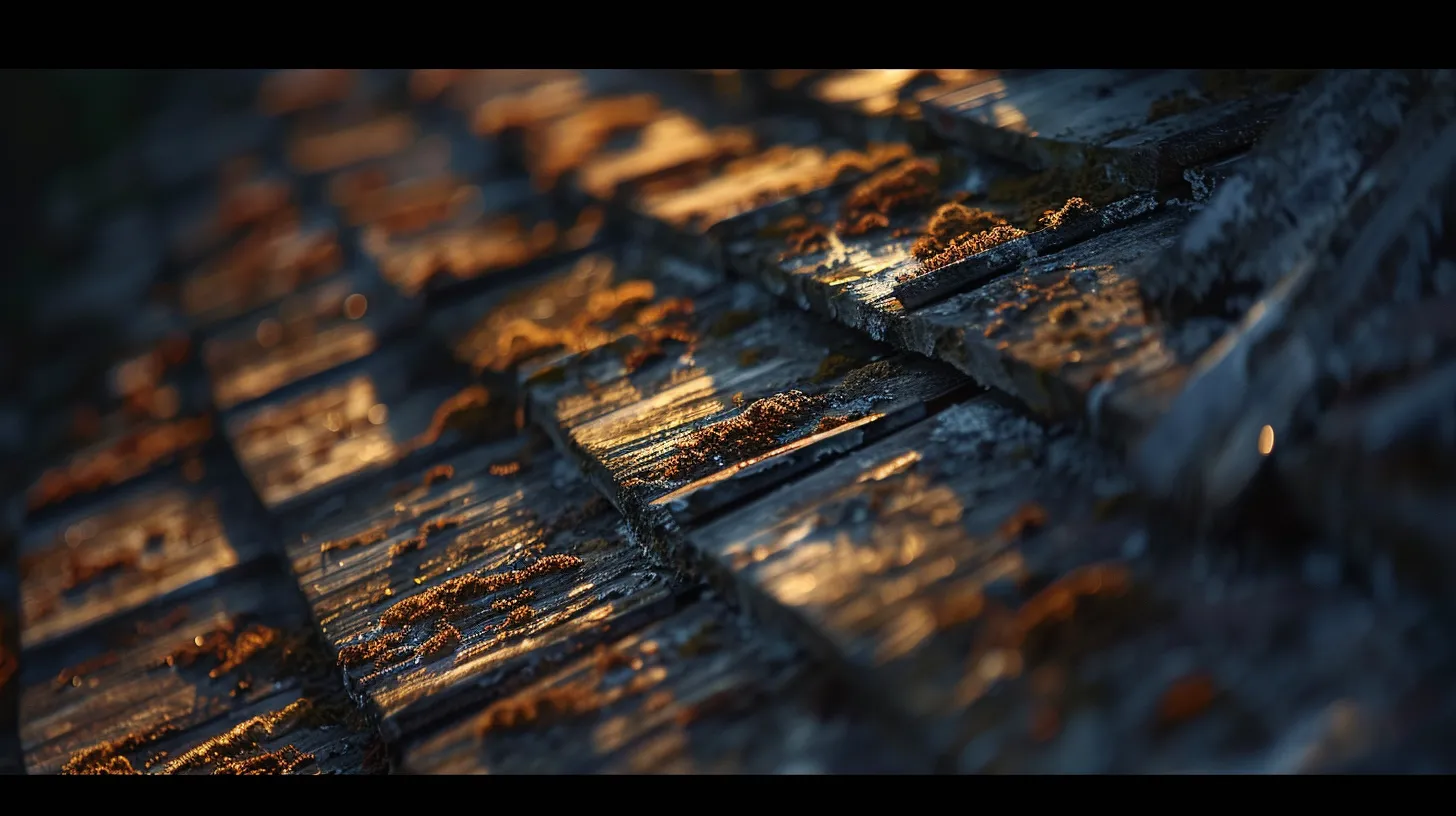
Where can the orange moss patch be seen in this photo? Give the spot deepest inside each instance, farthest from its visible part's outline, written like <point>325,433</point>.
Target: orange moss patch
<point>464,412</point>
<point>374,649</point>
<point>229,648</point>
<point>131,456</point>
<point>870,204</point>
<point>446,639</point>
<point>564,144</point>
<point>757,430</point>
<point>584,310</point>
<point>972,245</point>
<point>448,600</point>
<point>360,540</point>
<point>242,739</point>
<point>505,469</point>
<point>285,760</point>
<point>1073,210</point>
<point>110,757</point>
<point>956,231</point>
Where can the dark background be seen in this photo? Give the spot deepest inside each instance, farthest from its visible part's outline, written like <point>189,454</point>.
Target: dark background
<point>62,124</point>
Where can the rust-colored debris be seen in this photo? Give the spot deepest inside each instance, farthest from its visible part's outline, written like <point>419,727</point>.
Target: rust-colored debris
<point>131,456</point>
<point>449,599</point>
<point>438,473</point>
<point>870,204</point>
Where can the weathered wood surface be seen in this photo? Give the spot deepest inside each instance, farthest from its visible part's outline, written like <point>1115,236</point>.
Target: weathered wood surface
<point>152,411</point>
<point>139,692</point>
<point>269,262</point>
<point>499,228</point>
<point>315,330</point>
<point>974,576</point>
<point>1327,320</point>
<point>1065,332</point>
<point>445,586</point>
<point>1248,237</point>
<point>157,537</point>
<point>580,305</point>
<point>747,395</point>
<point>305,441</point>
<point>1143,127</point>
<point>747,190</point>
<point>699,692</point>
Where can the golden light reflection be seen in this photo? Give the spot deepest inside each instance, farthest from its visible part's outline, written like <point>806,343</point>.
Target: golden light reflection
<point>1266,440</point>
<point>378,414</point>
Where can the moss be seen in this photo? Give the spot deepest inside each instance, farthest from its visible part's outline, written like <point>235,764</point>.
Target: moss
<point>869,205</point>
<point>1035,195</point>
<point>758,429</point>
<point>834,366</point>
